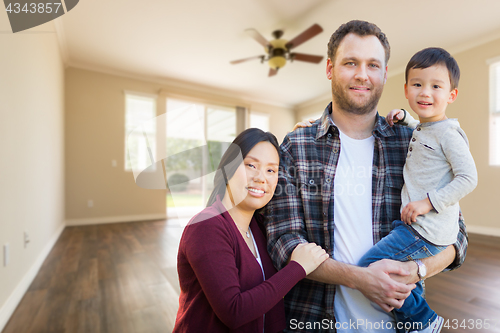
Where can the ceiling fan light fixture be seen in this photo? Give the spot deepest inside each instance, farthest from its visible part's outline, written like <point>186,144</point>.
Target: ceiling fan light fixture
<point>278,43</point>
<point>277,62</point>
<point>278,49</point>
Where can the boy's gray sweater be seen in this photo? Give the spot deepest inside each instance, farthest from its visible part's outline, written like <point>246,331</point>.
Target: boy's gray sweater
<point>439,166</point>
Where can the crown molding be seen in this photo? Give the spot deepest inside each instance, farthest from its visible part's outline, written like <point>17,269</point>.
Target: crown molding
<point>318,99</point>
<point>61,38</point>
<point>474,43</point>
<point>469,45</point>
<point>187,87</point>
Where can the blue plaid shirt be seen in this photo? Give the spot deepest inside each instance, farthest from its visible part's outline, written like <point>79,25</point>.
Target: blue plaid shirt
<point>302,207</point>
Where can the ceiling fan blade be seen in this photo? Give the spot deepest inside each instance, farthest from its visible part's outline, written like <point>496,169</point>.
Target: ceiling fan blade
<point>306,57</point>
<point>258,37</point>
<point>234,62</point>
<point>304,36</point>
<point>272,72</point>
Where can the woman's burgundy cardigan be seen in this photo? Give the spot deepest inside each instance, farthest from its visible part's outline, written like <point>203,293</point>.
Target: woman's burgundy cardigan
<point>222,288</point>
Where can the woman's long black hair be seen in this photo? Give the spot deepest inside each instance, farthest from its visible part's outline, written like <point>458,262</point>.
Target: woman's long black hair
<point>233,157</point>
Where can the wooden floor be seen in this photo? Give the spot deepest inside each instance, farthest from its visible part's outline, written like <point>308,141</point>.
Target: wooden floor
<point>469,295</point>
<point>106,278</point>
<point>122,278</point>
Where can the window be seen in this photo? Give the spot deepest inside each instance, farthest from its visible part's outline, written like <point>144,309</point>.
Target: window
<point>495,113</point>
<point>140,132</point>
<point>259,120</point>
<point>197,136</point>
<point>189,140</point>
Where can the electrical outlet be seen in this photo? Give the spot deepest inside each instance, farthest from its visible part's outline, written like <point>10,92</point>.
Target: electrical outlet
<point>6,254</point>
<point>113,163</point>
<point>26,239</point>
<point>90,203</point>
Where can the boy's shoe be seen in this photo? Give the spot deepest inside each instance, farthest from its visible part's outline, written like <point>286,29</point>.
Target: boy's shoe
<point>434,327</point>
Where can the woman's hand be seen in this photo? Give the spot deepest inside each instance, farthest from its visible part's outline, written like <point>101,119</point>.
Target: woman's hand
<point>304,123</point>
<point>309,256</point>
<point>396,114</point>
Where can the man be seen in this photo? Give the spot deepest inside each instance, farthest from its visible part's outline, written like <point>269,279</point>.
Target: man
<point>340,187</point>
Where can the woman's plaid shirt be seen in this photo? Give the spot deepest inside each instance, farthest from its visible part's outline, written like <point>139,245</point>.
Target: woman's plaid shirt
<point>302,207</point>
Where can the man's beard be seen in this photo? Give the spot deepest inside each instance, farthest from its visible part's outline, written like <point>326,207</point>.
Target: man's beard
<point>344,102</point>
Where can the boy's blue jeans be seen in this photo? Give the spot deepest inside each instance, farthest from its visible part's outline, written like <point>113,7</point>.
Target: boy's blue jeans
<point>403,244</point>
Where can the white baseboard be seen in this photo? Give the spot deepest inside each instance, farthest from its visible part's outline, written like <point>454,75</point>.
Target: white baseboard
<point>488,231</point>
<point>18,293</point>
<point>115,219</point>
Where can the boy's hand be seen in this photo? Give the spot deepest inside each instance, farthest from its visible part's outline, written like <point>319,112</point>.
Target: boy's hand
<point>396,114</point>
<point>415,208</point>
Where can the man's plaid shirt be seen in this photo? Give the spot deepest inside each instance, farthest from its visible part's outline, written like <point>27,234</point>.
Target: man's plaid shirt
<point>302,207</point>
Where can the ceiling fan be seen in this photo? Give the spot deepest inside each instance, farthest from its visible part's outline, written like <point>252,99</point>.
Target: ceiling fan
<point>278,50</point>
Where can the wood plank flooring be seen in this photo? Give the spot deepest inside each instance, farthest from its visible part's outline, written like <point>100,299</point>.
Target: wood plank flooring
<point>122,278</point>
<point>468,296</point>
<point>105,278</point>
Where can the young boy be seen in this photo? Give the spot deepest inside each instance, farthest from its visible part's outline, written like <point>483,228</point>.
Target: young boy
<point>439,171</point>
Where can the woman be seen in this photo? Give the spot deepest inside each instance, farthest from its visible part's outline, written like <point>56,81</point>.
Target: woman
<point>228,282</point>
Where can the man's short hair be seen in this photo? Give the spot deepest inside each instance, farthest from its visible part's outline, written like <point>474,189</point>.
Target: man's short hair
<point>435,56</point>
<point>360,28</point>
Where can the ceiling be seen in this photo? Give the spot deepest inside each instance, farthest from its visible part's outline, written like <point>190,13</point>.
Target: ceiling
<point>192,41</point>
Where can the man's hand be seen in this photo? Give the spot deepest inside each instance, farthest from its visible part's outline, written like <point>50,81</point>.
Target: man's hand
<point>396,114</point>
<point>409,266</point>
<point>413,209</point>
<point>377,285</point>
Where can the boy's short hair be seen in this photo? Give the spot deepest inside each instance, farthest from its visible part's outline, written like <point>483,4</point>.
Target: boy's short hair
<point>435,56</point>
<point>360,28</point>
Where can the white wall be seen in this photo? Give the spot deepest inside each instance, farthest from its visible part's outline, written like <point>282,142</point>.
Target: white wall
<point>32,155</point>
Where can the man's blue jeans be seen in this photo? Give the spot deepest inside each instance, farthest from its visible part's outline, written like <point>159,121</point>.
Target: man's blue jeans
<point>403,244</point>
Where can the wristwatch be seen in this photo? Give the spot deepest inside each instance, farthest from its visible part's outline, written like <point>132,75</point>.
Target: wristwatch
<point>422,270</point>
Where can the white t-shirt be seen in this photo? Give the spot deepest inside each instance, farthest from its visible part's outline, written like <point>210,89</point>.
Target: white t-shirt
<point>353,234</point>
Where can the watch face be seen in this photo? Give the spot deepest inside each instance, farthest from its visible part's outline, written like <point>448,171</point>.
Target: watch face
<point>423,270</point>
